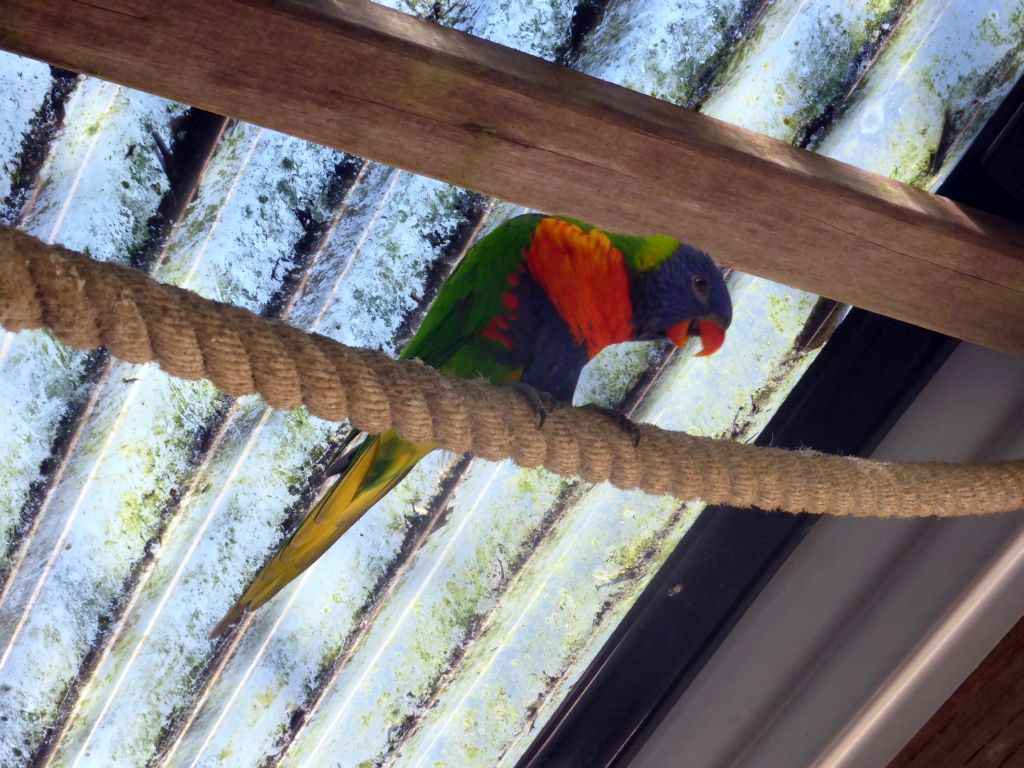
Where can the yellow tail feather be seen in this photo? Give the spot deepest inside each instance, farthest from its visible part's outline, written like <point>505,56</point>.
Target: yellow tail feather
<point>379,465</point>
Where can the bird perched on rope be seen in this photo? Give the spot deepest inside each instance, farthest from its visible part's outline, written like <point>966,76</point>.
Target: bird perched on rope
<point>531,304</point>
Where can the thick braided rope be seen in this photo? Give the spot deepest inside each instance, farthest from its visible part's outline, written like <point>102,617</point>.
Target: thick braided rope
<point>89,304</point>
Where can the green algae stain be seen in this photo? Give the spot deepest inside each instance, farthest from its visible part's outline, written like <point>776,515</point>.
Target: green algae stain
<point>117,105</point>
<point>259,703</point>
<point>780,311</point>
<point>992,33</point>
<point>532,485</point>
<point>610,375</point>
<point>136,518</point>
<point>300,429</point>
<point>463,599</point>
<point>198,220</point>
<point>781,97</point>
<point>631,557</point>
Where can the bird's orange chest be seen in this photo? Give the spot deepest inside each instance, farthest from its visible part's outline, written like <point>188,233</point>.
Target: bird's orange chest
<point>585,278</point>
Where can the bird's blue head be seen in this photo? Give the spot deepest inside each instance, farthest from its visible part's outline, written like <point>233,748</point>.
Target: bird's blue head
<point>681,296</point>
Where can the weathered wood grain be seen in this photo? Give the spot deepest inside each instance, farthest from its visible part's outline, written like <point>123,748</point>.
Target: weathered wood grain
<point>404,91</point>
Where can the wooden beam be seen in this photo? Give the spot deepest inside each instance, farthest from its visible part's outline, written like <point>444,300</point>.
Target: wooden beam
<point>407,92</point>
<point>982,723</point>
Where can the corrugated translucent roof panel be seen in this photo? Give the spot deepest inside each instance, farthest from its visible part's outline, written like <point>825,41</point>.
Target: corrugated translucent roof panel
<point>448,624</point>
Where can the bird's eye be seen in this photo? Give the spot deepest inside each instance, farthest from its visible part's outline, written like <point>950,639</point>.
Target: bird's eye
<point>700,284</point>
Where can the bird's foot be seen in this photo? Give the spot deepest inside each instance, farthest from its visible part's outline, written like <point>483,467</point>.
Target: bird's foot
<point>623,421</point>
<point>542,403</point>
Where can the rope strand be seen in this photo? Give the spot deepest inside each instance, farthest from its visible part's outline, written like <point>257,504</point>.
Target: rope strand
<point>87,304</point>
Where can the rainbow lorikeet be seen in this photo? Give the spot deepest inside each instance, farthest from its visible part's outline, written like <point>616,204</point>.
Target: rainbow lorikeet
<point>531,303</point>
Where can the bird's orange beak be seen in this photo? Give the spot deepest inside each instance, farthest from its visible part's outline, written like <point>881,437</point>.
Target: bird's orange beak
<point>712,334</point>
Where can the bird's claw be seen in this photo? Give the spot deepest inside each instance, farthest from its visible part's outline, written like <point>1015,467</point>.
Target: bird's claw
<point>623,422</point>
<point>542,403</point>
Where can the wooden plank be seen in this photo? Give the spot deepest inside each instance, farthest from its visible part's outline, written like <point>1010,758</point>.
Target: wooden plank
<point>982,723</point>
<point>407,92</point>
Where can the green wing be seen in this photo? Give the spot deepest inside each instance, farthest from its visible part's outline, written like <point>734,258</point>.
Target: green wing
<point>471,297</point>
